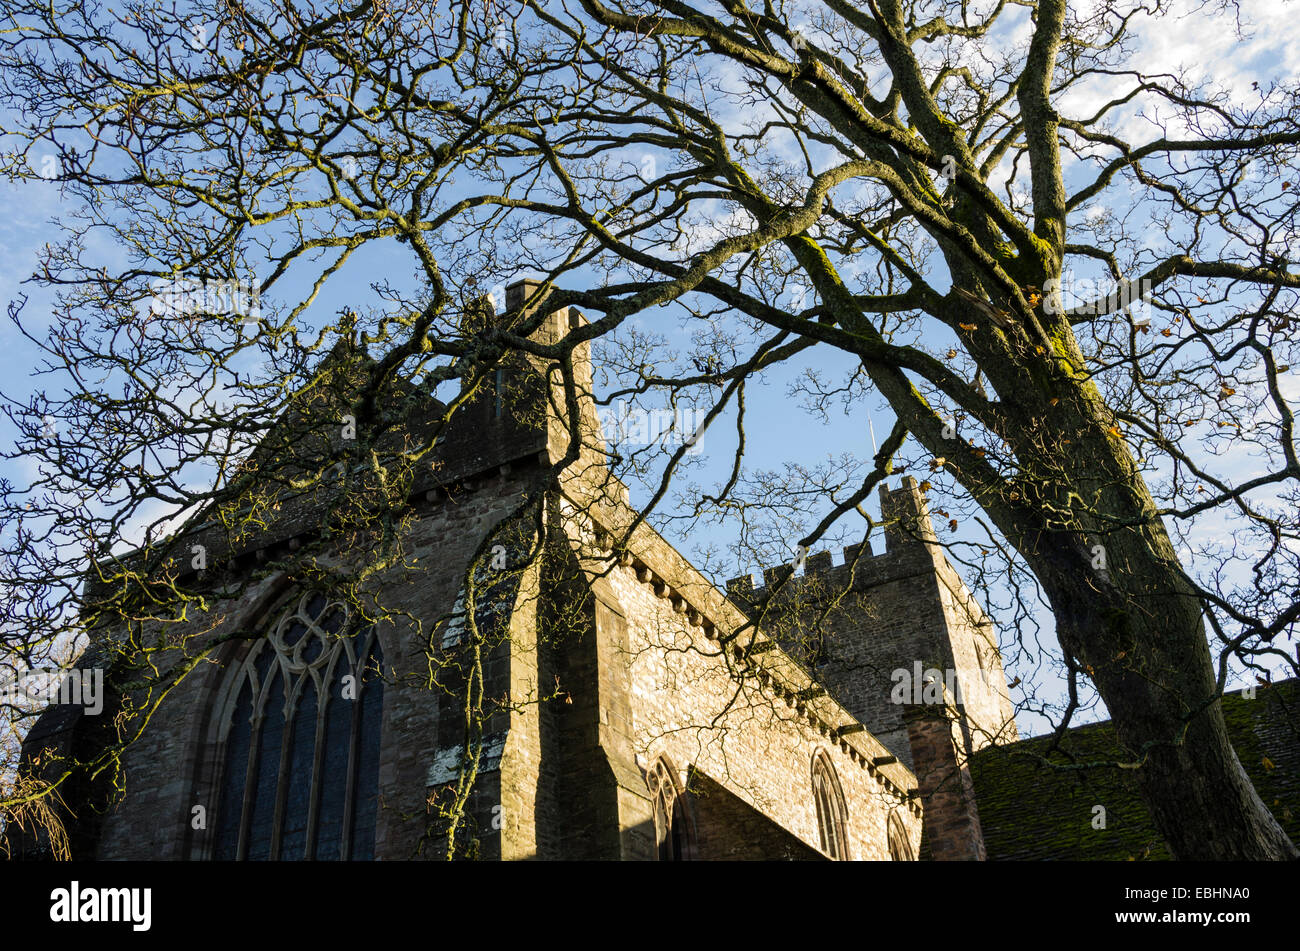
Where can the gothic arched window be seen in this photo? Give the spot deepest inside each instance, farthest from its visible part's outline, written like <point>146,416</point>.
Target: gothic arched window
<point>832,817</point>
<point>301,765</point>
<point>673,839</point>
<point>900,847</point>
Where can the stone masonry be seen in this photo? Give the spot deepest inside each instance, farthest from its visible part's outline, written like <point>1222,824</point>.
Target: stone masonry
<point>614,654</point>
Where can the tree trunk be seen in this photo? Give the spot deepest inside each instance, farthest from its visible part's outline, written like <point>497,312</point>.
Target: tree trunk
<point>1135,626</point>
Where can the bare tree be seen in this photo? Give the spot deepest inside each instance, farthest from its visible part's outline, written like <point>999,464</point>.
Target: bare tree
<point>904,183</point>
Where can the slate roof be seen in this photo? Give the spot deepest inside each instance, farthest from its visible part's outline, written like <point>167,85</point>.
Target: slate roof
<point>1031,811</point>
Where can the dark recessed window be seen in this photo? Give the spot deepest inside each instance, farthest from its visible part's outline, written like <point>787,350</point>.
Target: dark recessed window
<point>673,837</point>
<point>900,846</point>
<point>820,655</point>
<point>832,817</point>
<point>498,393</point>
<point>301,763</point>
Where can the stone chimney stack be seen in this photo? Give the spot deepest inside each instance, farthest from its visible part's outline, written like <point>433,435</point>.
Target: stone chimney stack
<point>521,410</point>
<point>557,326</point>
<point>518,293</point>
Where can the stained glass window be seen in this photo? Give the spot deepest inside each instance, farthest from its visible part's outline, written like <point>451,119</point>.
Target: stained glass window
<point>301,767</point>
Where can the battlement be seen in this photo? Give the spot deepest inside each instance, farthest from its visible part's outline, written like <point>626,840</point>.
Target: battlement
<point>857,623</point>
<point>907,528</point>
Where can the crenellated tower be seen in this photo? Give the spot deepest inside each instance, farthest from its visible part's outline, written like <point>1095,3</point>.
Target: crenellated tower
<point>898,639</point>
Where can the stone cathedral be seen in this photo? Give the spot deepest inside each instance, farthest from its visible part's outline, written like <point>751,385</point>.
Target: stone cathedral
<point>634,711</point>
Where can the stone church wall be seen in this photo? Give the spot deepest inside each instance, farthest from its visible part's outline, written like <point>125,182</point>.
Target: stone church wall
<point>613,660</point>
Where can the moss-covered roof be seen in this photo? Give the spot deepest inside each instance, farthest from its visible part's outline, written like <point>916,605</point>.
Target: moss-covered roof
<point>1033,811</point>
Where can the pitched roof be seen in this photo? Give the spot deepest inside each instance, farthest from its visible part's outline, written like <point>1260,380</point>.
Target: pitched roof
<point>1032,811</point>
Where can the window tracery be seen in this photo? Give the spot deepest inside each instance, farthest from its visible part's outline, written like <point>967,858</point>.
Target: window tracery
<point>301,742</point>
